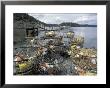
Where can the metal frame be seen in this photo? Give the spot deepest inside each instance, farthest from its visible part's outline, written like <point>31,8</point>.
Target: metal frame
<point>4,3</point>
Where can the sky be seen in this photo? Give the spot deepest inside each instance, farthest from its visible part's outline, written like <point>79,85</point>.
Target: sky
<point>87,18</point>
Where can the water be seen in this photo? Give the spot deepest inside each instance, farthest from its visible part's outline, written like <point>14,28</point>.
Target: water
<point>89,34</point>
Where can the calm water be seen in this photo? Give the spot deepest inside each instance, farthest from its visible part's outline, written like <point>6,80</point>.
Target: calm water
<point>89,33</point>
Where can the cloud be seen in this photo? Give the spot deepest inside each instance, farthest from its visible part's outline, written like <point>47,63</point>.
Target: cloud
<point>86,19</point>
<point>90,18</point>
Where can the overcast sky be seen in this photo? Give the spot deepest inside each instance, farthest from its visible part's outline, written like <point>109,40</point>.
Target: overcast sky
<point>88,18</point>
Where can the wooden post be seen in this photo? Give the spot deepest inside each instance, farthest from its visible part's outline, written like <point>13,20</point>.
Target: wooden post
<point>43,27</point>
<point>26,32</point>
<point>52,27</point>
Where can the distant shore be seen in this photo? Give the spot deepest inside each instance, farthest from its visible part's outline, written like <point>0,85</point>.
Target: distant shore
<point>71,24</point>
